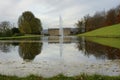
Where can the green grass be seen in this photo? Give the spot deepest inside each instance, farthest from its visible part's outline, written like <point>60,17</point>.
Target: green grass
<point>21,37</point>
<point>109,31</point>
<point>112,42</point>
<point>61,77</point>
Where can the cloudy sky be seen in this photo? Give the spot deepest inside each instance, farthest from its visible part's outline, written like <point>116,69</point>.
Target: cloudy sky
<point>50,10</point>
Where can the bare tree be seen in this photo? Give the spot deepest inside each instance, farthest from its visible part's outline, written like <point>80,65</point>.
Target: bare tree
<point>5,28</point>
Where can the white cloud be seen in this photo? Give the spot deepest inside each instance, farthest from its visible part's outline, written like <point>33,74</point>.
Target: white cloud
<point>49,10</point>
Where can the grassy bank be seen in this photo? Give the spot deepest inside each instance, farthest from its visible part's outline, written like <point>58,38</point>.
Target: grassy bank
<point>61,77</point>
<point>21,37</point>
<point>109,31</point>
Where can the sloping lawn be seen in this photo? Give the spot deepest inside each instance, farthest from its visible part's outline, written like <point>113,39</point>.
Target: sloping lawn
<point>109,31</point>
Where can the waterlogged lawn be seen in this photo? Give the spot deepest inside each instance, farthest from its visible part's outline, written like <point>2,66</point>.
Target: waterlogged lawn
<point>61,77</point>
<point>20,37</point>
<point>112,42</point>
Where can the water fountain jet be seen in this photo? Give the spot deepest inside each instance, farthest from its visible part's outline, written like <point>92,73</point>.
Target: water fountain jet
<point>61,35</point>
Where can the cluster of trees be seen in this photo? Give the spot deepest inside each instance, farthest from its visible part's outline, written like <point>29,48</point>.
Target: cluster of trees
<point>7,29</point>
<point>29,24</point>
<point>99,19</point>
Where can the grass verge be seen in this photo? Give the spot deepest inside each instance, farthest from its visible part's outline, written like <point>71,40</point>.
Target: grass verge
<point>109,31</point>
<point>61,77</point>
<point>21,37</point>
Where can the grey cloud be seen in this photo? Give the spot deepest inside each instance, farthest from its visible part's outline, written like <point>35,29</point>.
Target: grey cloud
<point>49,10</point>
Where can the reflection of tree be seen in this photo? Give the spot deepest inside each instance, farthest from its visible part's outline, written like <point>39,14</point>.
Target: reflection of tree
<point>15,43</point>
<point>81,45</point>
<point>5,47</point>
<point>28,51</point>
<point>99,51</point>
<point>102,51</point>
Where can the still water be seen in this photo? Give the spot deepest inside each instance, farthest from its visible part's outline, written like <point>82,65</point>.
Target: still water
<point>50,57</point>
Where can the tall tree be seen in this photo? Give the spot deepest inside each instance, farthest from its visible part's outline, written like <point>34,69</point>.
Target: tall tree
<point>111,17</point>
<point>118,17</point>
<point>29,24</point>
<point>118,14</point>
<point>80,25</point>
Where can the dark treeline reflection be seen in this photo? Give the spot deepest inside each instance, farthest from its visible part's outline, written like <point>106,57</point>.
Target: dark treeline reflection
<point>5,47</point>
<point>28,51</point>
<point>98,50</point>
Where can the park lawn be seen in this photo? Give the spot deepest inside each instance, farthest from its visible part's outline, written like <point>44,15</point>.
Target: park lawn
<point>21,37</point>
<point>109,31</point>
<point>61,77</point>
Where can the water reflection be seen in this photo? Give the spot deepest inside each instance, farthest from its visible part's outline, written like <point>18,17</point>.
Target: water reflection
<point>28,51</point>
<point>5,47</point>
<point>65,39</point>
<point>51,57</point>
<point>99,51</point>
<point>15,43</point>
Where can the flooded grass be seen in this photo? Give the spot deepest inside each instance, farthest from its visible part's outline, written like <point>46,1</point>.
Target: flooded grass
<point>21,37</point>
<point>112,42</point>
<point>61,77</point>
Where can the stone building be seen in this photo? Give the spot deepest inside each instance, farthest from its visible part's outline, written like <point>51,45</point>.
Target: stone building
<point>67,31</point>
<point>55,31</point>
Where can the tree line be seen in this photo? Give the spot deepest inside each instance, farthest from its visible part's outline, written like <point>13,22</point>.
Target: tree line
<point>7,29</point>
<point>99,19</point>
<point>27,24</point>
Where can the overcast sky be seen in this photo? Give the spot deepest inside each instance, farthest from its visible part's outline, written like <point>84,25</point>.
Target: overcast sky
<point>50,10</point>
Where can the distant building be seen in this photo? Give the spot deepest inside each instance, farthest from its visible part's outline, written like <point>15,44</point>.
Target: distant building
<point>67,31</point>
<point>55,31</point>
